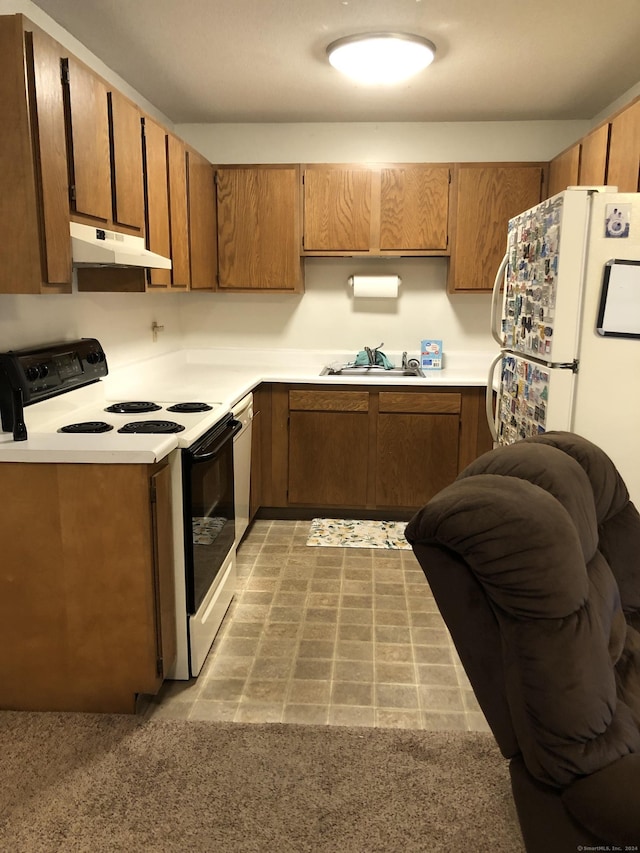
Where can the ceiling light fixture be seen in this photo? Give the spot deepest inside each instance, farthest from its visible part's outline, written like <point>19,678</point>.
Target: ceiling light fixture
<point>375,58</point>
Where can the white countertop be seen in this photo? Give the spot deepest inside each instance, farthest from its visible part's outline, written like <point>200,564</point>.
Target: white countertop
<point>218,376</point>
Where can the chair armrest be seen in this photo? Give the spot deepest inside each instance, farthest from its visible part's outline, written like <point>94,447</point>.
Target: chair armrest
<point>606,802</point>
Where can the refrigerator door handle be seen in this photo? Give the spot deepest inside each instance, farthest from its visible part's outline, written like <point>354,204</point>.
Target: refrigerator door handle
<point>496,302</point>
<point>491,415</point>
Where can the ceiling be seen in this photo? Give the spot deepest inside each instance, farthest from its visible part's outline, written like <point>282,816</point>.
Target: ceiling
<point>265,60</point>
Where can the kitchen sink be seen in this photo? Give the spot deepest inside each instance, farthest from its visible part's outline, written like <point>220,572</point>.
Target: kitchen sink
<point>372,371</point>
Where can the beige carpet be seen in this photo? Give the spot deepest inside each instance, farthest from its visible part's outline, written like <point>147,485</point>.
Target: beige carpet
<point>74,782</point>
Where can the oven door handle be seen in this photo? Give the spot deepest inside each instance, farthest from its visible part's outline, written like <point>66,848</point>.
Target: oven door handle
<point>205,454</point>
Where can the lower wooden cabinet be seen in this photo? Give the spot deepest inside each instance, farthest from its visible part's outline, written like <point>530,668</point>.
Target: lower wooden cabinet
<point>366,448</point>
<point>416,446</point>
<point>87,611</point>
<point>328,436</point>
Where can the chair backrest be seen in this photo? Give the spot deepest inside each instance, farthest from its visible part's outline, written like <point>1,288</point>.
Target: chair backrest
<point>533,555</point>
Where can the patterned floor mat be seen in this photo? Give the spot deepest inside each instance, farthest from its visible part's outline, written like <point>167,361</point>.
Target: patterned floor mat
<point>347,533</point>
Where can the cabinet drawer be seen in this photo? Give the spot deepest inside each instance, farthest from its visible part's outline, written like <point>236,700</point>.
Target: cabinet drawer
<point>329,401</point>
<point>427,403</point>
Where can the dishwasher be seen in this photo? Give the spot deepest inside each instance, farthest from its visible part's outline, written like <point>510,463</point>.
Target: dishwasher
<point>242,412</point>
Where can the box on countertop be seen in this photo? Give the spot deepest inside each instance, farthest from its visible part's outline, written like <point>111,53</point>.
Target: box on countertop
<point>431,355</point>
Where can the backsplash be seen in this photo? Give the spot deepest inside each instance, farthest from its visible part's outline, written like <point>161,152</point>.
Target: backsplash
<point>326,317</point>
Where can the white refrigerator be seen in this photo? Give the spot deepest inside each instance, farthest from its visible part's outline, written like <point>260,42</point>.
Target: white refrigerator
<point>566,316</point>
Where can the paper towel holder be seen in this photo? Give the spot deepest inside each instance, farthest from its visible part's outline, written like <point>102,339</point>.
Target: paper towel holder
<point>350,279</point>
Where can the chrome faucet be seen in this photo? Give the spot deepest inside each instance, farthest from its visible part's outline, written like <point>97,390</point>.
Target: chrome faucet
<point>405,364</point>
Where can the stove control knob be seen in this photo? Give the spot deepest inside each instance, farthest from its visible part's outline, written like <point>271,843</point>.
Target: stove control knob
<point>32,373</point>
<point>43,370</point>
<point>94,357</point>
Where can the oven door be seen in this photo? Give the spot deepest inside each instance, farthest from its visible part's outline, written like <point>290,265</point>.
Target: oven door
<point>209,518</point>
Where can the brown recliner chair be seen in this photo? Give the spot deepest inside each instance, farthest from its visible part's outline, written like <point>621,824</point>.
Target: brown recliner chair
<point>533,557</point>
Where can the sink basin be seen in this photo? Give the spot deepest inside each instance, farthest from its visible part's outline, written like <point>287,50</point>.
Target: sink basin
<point>373,371</point>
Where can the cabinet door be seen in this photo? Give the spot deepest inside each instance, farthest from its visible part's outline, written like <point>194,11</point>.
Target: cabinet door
<point>593,159</point>
<point>34,201</point>
<point>89,156</point>
<point>564,170</point>
<point>178,215</point>
<point>624,150</point>
<point>328,458</point>
<point>337,208</point>
<point>259,228</point>
<point>328,447</point>
<point>157,191</point>
<point>417,455</point>
<point>126,146</point>
<point>414,207</point>
<point>417,446</point>
<point>202,221</point>
<point>486,197</point>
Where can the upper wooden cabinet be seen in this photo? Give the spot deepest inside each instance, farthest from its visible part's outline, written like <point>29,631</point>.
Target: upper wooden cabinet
<point>624,149</point>
<point>34,201</point>
<point>178,212</point>
<point>414,208</point>
<point>376,210</point>
<point>202,221</point>
<point>593,157</point>
<point>157,198</point>
<point>607,155</point>
<point>126,164</point>
<point>584,164</point>
<point>485,197</point>
<point>564,170</point>
<point>104,151</point>
<point>258,223</point>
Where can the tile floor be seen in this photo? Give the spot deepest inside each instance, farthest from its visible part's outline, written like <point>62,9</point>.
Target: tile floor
<point>338,636</point>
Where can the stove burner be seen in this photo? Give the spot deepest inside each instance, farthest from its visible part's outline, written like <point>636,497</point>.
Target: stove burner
<point>86,426</point>
<point>151,426</point>
<point>134,408</point>
<point>190,407</point>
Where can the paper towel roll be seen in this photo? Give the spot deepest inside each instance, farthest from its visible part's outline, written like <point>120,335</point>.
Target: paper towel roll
<point>375,286</point>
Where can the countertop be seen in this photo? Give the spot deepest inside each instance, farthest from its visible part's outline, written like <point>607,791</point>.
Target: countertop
<point>220,376</point>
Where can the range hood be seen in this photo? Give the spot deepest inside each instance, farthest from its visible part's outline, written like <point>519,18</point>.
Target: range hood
<point>93,247</point>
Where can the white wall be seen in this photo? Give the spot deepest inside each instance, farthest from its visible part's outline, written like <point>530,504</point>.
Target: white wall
<point>420,142</point>
<point>328,317</point>
<point>121,322</point>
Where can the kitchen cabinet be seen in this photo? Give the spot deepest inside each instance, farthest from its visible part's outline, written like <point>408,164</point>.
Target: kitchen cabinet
<point>258,227</point>
<point>485,196</point>
<point>593,157</point>
<point>584,164</point>
<point>34,200</point>
<point>564,170</point>
<point>178,212</point>
<point>104,152</point>
<point>624,149</point>
<point>328,447</point>
<point>157,199</point>
<point>368,447</point>
<point>202,221</point>
<point>416,446</point>
<point>87,611</point>
<point>377,210</point>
